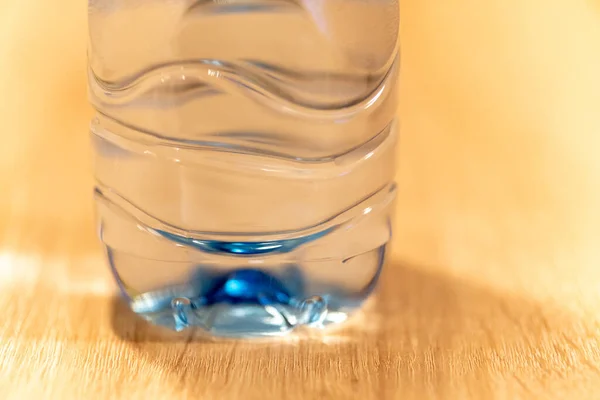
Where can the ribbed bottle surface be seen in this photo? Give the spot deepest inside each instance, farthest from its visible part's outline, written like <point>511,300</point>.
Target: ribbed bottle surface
<point>244,157</point>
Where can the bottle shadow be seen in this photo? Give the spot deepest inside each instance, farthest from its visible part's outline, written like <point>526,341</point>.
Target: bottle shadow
<point>421,331</point>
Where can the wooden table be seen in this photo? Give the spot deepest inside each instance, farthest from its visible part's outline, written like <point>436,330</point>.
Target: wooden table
<point>493,291</point>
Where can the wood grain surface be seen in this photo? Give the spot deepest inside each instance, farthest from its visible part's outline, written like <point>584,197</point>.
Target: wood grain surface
<point>493,291</point>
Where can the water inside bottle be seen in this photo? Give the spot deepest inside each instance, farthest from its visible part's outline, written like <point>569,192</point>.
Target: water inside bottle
<point>244,157</point>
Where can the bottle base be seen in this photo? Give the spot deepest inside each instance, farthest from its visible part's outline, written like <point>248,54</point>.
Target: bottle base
<point>229,287</point>
<point>244,320</point>
<point>244,303</point>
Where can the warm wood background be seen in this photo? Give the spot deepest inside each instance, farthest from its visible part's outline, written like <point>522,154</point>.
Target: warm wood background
<point>494,288</point>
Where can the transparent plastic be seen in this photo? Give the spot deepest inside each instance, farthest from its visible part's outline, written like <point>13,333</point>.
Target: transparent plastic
<point>244,157</point>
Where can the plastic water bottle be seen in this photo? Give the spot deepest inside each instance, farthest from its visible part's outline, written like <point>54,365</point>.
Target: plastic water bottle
<point>244,157</point>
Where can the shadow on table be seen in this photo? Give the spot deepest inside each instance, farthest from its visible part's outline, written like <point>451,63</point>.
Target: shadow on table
<point>422,332</point>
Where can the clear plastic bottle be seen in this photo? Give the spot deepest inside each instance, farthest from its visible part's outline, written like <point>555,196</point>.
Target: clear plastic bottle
<point>244,156</point>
